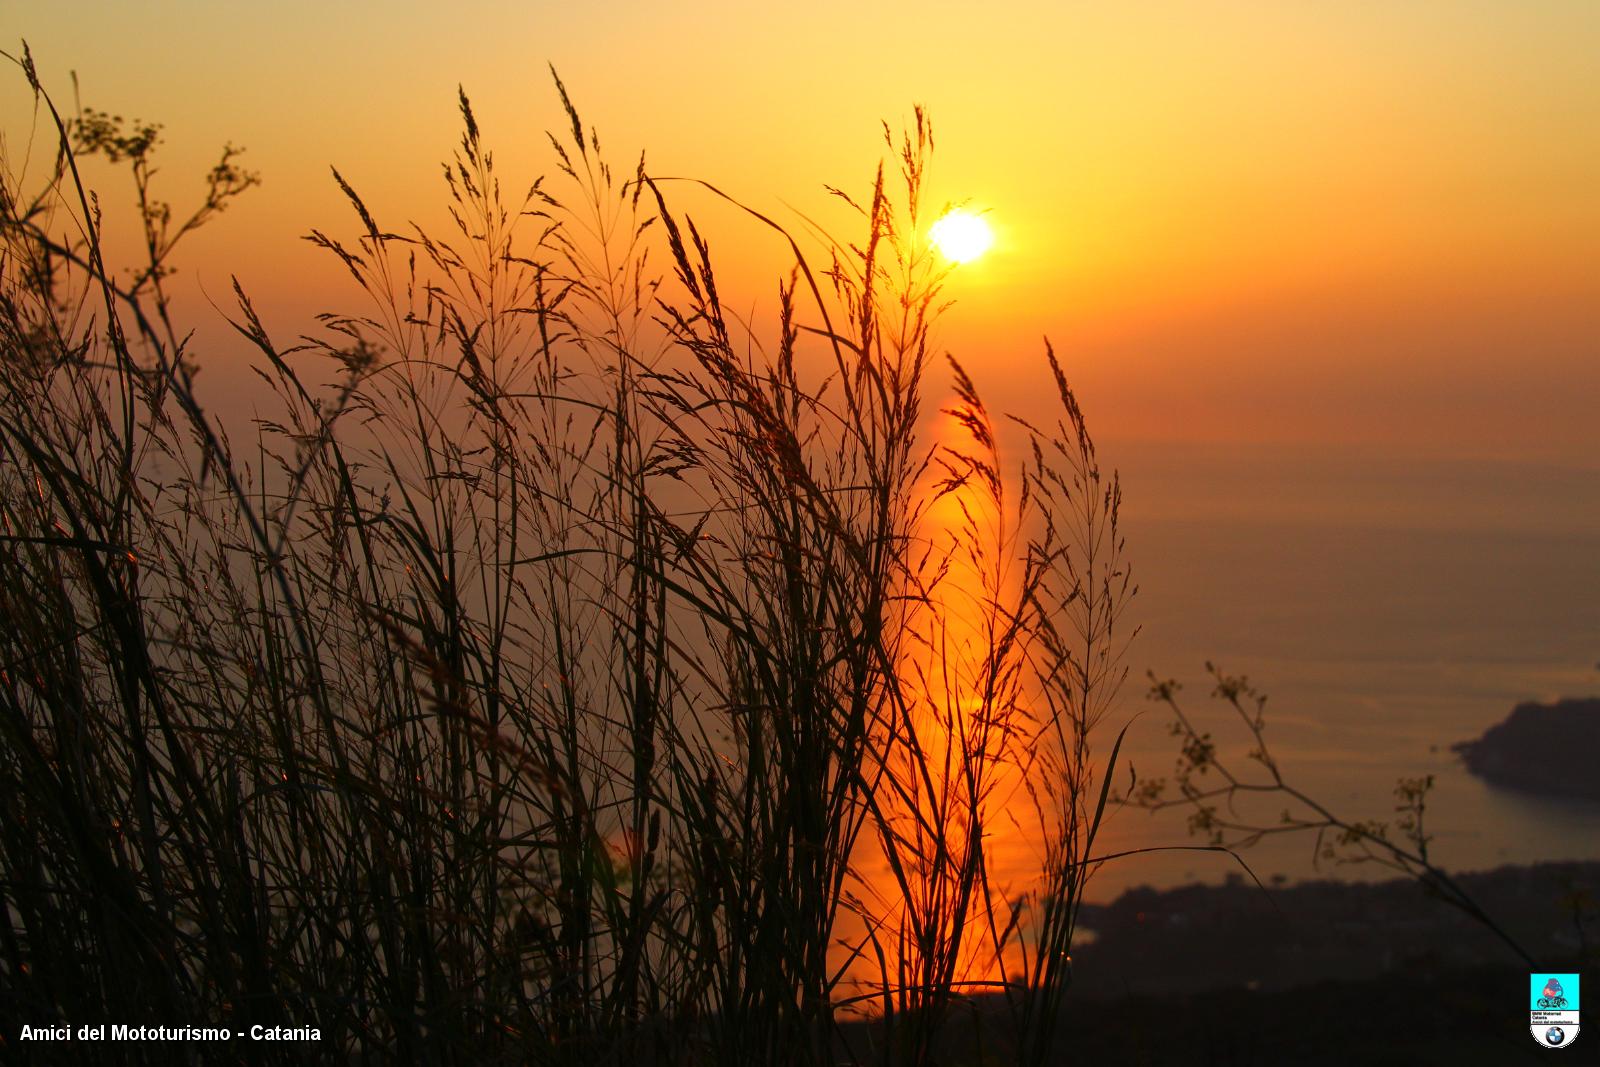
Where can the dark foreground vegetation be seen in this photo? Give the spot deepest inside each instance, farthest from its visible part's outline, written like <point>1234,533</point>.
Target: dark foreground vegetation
<point>1421,1013</point>
<point>540,676</point>
<point>559,670</point>
<point>1469,1015</point>
<point>1324,972</point>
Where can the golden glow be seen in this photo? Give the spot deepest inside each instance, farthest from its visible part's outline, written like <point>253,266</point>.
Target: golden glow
<point>961,236</point>
<point>1154,194</point>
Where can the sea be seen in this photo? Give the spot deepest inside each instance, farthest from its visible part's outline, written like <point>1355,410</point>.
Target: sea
<point>1388,606</point>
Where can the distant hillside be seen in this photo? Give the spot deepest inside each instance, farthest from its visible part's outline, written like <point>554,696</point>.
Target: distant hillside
<point>1550,749</point>
<point>1320,974</point>
<point>1192,938</point>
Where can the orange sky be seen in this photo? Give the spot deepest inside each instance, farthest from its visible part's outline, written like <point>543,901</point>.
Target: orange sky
<point>1359,222</point>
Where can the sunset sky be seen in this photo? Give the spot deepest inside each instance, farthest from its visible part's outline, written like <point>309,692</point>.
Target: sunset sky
<point>641,660</point>
<point>1312,266</point>
<point>1356,223</point>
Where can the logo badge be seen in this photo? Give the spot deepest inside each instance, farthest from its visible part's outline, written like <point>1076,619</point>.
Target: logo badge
<point>1553,1008</point>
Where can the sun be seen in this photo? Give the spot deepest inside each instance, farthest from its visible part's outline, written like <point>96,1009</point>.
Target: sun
<point>961,236</point>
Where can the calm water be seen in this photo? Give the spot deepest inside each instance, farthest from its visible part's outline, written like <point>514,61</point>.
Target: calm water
<point>1388,608</point>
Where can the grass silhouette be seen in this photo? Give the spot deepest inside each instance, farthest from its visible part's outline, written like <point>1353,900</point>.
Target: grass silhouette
<point>535,681</point>
<point>562,672</point>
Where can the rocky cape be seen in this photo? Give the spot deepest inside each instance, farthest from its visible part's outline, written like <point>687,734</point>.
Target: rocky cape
<point>1548,749</point>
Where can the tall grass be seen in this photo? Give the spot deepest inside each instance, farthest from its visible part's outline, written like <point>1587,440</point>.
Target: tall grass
<point>556,668</point>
